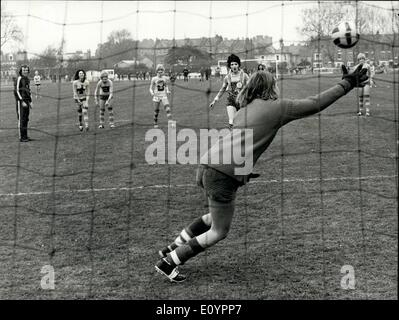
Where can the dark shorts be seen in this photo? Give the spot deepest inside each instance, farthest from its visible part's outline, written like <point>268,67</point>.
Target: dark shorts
<point>231,101</point>
<point>218,186</point>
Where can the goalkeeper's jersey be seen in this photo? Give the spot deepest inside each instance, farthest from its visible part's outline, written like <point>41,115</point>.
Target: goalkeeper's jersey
<point>264,118</point>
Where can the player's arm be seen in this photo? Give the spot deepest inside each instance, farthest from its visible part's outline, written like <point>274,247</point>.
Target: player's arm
<point>30,94</point>
<point>75,94</point>
<point>246,78</point>
<point>17,89</point>
<point>87,92</point>
<point>220,93</point>
<point>301,108</point>
<point>96,92</point>
<point>111,92</point>
<point>151,86</point>
<point>22,91</point>
<point>167,86</point>
<point>371,74</point>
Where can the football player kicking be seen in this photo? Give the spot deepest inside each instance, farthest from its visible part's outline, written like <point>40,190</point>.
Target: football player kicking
<point>81,93</point>
<point>264,113</point>
<point>103,96</point>
<point>159,91</point>
<point>233,82</point>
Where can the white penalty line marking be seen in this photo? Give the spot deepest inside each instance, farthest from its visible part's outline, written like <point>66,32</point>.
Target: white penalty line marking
<point>160,186</point>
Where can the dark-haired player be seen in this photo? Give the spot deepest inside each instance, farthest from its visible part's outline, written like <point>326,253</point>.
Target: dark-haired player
<point>23,98</point>
<point>233,82</point>
<point>81,93</point>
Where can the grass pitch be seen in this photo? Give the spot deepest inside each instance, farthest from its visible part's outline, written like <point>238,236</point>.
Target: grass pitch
<point>89,205</point>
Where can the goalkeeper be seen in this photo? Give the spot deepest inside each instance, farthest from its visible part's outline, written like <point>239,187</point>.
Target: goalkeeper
<point>265,113</point>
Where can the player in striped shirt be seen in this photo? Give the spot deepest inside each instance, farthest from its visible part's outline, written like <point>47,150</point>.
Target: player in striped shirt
<point>37,82</point>
<point>159,90</point>
<point>81,93</point>
<point>103,96</point>
<point>233,82</point>
<point>263,113</point>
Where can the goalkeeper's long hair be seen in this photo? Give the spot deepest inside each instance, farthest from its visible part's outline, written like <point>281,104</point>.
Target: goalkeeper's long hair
<point>261,85</point>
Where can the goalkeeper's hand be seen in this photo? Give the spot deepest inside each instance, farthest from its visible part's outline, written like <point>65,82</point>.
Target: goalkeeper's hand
<point>355,78</point>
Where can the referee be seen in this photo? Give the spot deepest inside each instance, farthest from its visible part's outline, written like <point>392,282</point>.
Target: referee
<point>24,102</point>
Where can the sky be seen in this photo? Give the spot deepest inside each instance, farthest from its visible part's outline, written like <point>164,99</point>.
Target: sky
<point>42,22</point>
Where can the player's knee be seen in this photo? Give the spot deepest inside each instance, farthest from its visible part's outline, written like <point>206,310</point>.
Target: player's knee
<point>213,237</point>
<point>207,218</point>
<point>220,233</point>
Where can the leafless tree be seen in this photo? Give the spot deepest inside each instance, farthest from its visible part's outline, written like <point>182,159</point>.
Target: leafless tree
<point>9,30</point>
<point>318,22</point>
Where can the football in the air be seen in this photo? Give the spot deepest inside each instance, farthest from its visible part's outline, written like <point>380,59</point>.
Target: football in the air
<point>345,35</point>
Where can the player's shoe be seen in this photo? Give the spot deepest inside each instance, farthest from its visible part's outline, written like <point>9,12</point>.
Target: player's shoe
<point>101,126</point>
<point>112,125</point>
<point>230,126</point>
<point>367,114</point>
<point>155,126</point>
<point>81,128</point>
<point>163,252</point>
<point>171,272</point>
<point>359,113</point>
<point>86,128</point>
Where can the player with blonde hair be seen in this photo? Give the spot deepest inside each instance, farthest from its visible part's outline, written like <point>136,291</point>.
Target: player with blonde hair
<point>103,97</point>
<point>364,92</point>
<point>159,91</point>
<point>37,82</point>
